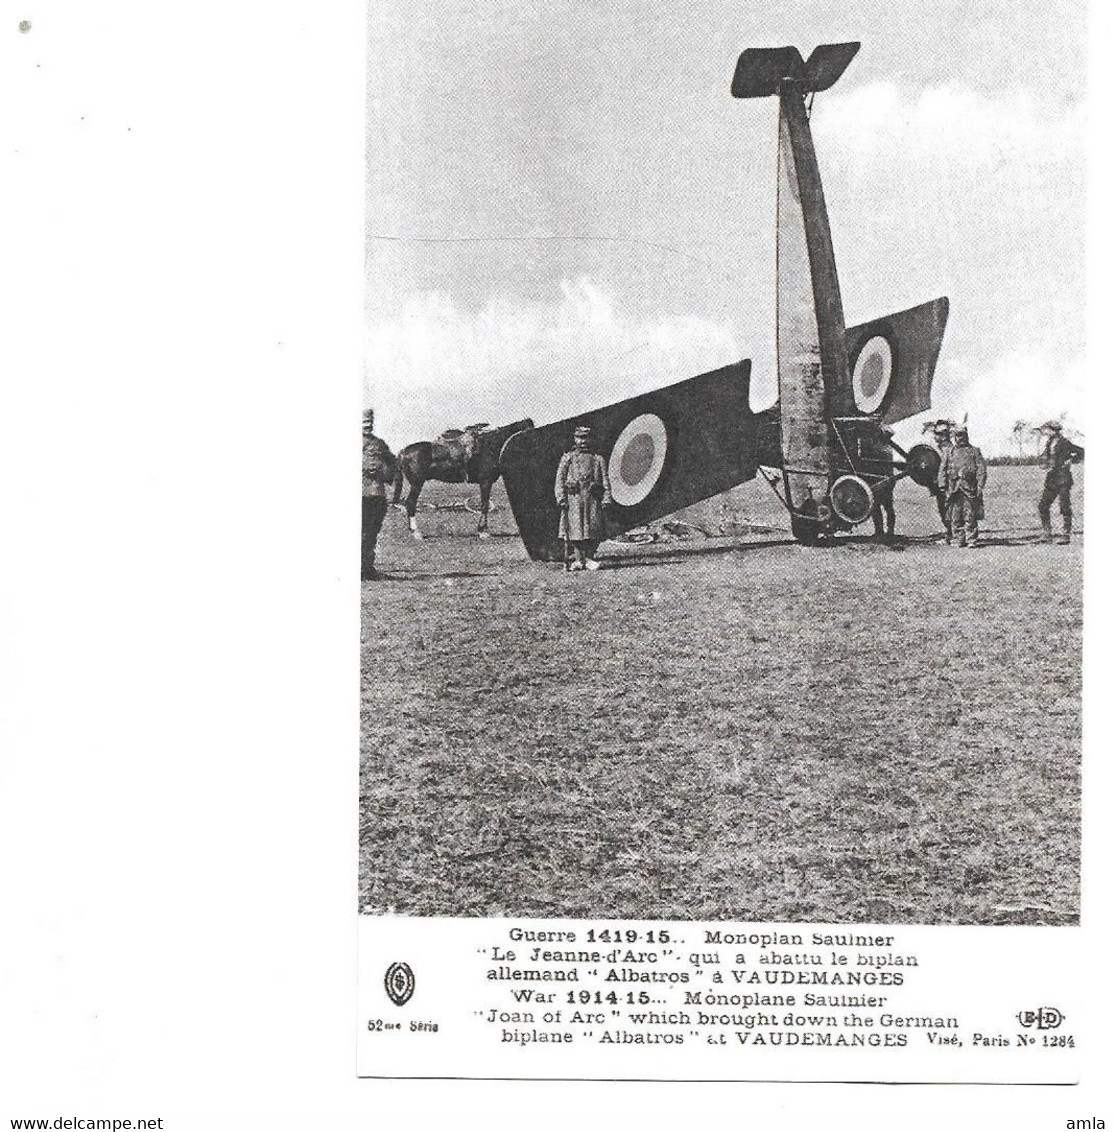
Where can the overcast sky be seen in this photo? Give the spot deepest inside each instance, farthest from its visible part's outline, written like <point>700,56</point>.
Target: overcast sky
<point>576,210</point>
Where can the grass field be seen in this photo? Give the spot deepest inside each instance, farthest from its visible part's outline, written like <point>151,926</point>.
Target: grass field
<point>726,727</point>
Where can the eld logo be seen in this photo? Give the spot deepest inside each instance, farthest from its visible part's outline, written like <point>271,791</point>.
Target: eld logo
<point>1044,1018</point>
<point>399,982</point>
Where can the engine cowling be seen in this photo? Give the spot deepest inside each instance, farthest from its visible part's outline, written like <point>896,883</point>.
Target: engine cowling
<point>924,462</point>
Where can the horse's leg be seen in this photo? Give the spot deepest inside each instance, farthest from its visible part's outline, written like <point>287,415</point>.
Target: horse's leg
<point>412,506</point>
<point>485,494</point>
<point>402,474</point>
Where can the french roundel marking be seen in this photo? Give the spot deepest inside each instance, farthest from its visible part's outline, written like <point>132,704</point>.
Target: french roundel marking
<point>872,374</point>
<point>637,459</point>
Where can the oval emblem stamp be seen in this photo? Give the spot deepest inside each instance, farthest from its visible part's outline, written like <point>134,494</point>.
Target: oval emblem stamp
<point>399,982</point>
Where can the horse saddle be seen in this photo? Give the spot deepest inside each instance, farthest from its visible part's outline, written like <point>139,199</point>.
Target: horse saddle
<point>456,447</point>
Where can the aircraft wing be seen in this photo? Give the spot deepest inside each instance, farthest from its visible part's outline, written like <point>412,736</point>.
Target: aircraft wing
<point>892,360</point>
<point>665,450</point>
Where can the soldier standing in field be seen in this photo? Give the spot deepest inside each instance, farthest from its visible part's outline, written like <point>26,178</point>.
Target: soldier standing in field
<point>942,442</point>
<point>961,480</point>
<point>582,491</point>
<point>378,472</point>
<point>1058,455</point>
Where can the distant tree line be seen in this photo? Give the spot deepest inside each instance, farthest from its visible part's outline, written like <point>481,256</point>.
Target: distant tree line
<point>1029,459</point>
<point>1029,442</point>
<point>1028,438</point>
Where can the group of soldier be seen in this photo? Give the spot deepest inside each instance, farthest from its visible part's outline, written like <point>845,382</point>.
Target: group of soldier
<point>582,491</point>
<point>959,489</point>
<point>962,474</point>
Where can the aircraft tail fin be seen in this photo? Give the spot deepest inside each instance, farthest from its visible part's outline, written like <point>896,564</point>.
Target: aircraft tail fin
<point>761,70</point>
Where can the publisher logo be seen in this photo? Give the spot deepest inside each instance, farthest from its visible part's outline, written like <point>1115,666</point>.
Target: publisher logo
<point>399,982</point>
<point>1044,1018</point>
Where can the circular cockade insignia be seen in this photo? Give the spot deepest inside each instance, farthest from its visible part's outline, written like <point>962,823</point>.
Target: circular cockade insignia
<point>637,459</point>
<point>399,982</point>
<point>872,374</point>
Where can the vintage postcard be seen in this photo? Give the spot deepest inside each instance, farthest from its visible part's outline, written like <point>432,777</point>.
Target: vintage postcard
<point>722,707</point>
<point>722,539</point>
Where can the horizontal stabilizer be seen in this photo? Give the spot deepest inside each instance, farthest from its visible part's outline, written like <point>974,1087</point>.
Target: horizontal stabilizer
<point>760,71</point>
<point>892,360</point>
<point>827,64</point>
<point>664,450</point>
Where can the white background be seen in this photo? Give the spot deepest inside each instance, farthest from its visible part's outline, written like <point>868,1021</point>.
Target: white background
<point>181,334</point>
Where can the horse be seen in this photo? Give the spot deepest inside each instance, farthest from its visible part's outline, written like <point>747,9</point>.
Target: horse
<point>470,455</point>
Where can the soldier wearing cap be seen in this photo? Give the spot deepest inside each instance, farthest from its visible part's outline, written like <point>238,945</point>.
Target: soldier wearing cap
<point>1058,455</point>
<point>961,480</point>
<point>378,471</point>
<point>942,442</point>
<point>582,491</point>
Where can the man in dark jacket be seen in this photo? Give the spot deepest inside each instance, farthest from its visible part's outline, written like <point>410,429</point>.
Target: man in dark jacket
<point>378,471</point>
<point>1059,454</point>
<point>961,480</point>
<point>942,444</point>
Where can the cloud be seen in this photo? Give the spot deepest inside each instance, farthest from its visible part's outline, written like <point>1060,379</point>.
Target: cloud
<point>951,124</point>
<point>1018,385</point>
<point>947,190</point>
<point>436,365</point>
<point>942,190</point>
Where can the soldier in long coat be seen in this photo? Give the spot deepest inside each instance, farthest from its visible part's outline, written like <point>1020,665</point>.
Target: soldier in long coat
<point>961,479</point>
<point>379,467</point>
<point>582,491</point>
<point>1059,454</point>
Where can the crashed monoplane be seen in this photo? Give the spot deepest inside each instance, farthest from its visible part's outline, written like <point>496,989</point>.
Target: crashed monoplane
<point>821,445</point>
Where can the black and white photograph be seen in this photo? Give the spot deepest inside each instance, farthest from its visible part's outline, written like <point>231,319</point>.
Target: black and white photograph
<point>723,468</point>
<point>715,725</point>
